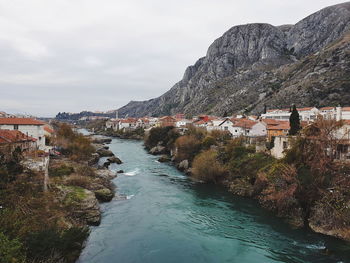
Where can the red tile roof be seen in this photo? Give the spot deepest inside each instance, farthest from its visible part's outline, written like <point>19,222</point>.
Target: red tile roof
<point>48,129</point>
<point>327,108</point>
<point>244,123</point>
<point>20,121</point>
<point>11,136</point>
<point>346,108</point>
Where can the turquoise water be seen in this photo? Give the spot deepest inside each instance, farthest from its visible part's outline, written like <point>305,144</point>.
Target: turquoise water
<point>169,218</point>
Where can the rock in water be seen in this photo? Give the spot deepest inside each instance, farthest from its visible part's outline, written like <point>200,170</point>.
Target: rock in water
<point>105,153</point>
<point>114,159</point>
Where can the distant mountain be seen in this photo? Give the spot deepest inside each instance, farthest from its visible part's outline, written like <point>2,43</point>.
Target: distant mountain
<point>77,116</point>
<point>259,64</point>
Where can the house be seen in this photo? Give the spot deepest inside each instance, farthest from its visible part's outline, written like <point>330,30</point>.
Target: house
<point>28,126</point>
<point>127,124</point>
<point>167,121</point>
<point>182,123</point>
<point>48,131</point>
<point>276,128</point>
<point>112,124</point>
<point>244,127</point>
<point>10,140</point>
<point>143,123</point>
<point>306,114</point>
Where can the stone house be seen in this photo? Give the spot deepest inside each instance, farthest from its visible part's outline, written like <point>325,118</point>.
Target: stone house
<point>28,126</point>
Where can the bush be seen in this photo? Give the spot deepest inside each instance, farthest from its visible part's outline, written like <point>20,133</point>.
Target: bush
<point>61,170</point>
<point>166,135</point>
<point>208,141</point>
<point>67,245</point>
<point>187,147</point>
<point>10,250</point>
<point>207,168</point>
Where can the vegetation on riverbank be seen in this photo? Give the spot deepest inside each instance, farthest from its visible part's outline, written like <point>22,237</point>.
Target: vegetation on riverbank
<point>308,187</point>
<point>51,226</point>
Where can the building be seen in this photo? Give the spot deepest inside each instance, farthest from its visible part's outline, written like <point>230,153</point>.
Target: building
<point>11,140</point>
<point>28,126</point>
<point>167,121</point>
<point>276,128</point>
<point>280,145</point>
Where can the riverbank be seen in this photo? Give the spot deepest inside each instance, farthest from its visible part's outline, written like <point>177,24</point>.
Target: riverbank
<point>301,189</point>
<point>167,217</point>
<point>46,220</point>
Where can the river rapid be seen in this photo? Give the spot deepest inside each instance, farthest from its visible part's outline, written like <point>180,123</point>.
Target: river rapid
<point>166,217</point>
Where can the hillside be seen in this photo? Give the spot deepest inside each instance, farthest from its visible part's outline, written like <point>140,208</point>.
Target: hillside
<point>259,64</point>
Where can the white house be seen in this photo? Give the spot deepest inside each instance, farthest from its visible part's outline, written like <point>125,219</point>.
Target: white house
<point>182,123</point>
<point>27,126</point>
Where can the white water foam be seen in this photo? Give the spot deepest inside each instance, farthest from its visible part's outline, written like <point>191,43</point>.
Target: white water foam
<point>133,172</point>
<point>129,196</point>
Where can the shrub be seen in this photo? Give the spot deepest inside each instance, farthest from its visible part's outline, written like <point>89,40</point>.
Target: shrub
<point>10,250</point>
<point>61,170</point>
<point>166,135</point>
<point>207,168</point>
<point>187,147</point>
<point>208,141</point>
<point>66,245</point>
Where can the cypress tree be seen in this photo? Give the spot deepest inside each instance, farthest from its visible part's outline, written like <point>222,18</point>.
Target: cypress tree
<point>294,122</point>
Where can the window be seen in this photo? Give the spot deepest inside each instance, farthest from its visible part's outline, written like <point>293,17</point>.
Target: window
<point>235,130</point>
<point>285,145</point>
<point>15,127</point>
<point>226,128</point>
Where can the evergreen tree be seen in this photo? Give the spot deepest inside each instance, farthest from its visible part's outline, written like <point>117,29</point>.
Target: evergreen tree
<point>265,109</point>
<point>294,122</point>
<point>225,114</point>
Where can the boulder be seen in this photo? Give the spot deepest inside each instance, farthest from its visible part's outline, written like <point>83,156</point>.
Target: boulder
<point>120,171</point>
<point>84,204</point>
<point>158,150</point>
<point>104,194</point>
<point>183,165</point>
<point>105,153</point>
<point>114,159</point>
<point>106,174</point>
<point>164,159</point>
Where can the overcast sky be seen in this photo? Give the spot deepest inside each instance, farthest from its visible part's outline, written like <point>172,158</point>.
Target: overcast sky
<point>74,55</point>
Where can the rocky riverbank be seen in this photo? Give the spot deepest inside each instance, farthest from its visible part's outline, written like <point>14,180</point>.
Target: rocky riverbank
<point>291,188</point>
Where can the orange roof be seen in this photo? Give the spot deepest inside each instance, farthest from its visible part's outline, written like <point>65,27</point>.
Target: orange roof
<point>11,136</point>
<point>346,108</point>
<point>48,129</point>
<point>273,121</point>
<point>327,108</point>
<point>20,121</point>
<point>244,123</point>
<point>281,126</point>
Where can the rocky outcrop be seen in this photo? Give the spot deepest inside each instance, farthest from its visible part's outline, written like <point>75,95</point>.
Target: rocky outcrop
<point>164,159</point>
<point>158,150</point>
<point>183,165</point>
<point>104,194</point>
<point>256,64</point>
<point>104,153</point>
<point>83,204</point>
<point>114,159</point>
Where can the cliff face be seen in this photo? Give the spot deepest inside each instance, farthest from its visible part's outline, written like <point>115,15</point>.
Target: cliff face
<point>256,64</point>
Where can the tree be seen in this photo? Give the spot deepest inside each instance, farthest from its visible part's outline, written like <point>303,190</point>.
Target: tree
<point>225,114</point>
<point>294,122</point>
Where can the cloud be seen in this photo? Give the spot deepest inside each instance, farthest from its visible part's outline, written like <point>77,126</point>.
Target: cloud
<point>63,55</point>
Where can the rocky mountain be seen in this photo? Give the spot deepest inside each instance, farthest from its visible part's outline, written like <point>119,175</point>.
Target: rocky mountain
<point>254,65</point>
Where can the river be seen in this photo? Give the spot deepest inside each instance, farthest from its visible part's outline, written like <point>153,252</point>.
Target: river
<point>169,218</point>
